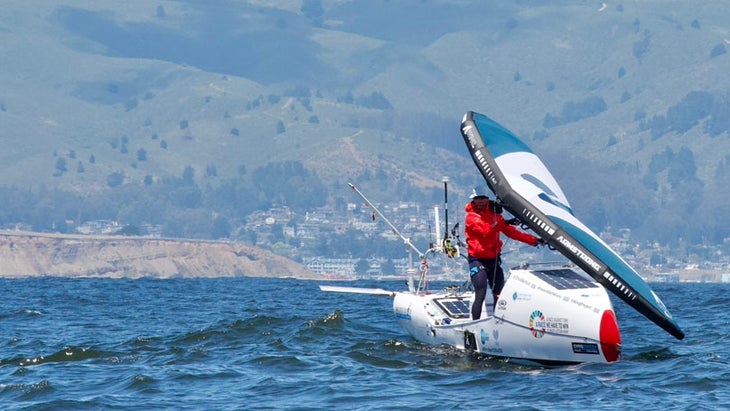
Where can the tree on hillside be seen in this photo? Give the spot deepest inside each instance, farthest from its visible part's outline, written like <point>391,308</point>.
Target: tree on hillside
<point>715,226</point>
<point>234,198</point>
<point>221,228</point>
<point>61,165</point>
<point>719,121</point>
<point>186,197</point>
<point>575,111</point>
<point>682,168</point>
<point>188,176</point>
<point>291,184</point>
<point>387,267</point>
<point>693,109</point>
<point>718,50</point>
<point>276,235</point>
<point>187,223</point>
<point>361,267</point>
<point>375,100</point>
<point>115,179</point>
<point>641,47</point>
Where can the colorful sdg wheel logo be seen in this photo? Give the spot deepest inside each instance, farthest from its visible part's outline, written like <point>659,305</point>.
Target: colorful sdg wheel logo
<point>536,320</point>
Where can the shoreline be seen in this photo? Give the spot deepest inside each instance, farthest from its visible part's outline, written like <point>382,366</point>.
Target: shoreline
<point>31,254</point>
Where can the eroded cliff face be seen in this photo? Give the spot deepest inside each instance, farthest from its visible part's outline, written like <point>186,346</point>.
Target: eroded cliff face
<point>24,254</point>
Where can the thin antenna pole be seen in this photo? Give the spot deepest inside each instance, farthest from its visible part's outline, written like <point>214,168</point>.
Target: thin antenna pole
<point>446,206</point>
<point>405,239</point>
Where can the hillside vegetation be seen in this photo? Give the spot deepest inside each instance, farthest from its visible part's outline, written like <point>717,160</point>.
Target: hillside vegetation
<point>191,115</point>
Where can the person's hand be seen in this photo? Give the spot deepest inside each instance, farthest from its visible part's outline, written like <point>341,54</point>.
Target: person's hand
<point>540,242</point>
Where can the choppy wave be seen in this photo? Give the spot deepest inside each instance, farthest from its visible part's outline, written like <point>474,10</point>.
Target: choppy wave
<point>23,312</point>
<point>66,354</point>
<point>238,344</point>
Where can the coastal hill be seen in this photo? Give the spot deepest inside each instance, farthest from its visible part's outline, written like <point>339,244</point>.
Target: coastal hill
<point>189,114</point>
<point>26,254</point>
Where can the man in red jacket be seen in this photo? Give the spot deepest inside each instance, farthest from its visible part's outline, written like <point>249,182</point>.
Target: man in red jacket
<point>484,223</point>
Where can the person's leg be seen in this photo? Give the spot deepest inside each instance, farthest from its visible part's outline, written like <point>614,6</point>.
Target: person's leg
<point>479,281</point>
<point>495,277</point>
<point>498,284</point>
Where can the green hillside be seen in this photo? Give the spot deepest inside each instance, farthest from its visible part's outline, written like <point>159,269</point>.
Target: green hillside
<point>130,104</point>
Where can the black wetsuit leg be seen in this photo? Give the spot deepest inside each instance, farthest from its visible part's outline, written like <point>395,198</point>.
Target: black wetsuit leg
<point>479,279</point>
<point>495,277</point>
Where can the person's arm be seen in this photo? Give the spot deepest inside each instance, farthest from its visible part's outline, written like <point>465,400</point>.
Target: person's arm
<point>515,234</point>
<point>477,225</point>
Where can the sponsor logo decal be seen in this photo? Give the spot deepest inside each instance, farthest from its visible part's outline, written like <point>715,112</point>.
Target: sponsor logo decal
<point>521,296</point>
<point>484,337</point>
<point>539,324</point>
<point>581,303</point>
<point>585,348</point>
<point>468,131</point>
<point>403,315</point>
<point>579,253</point>
<point>477,147</point>
<point>536,318</point>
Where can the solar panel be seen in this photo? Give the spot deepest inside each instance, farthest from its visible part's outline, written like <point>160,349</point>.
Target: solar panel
<point>455,307</point>
<point>565,279</point>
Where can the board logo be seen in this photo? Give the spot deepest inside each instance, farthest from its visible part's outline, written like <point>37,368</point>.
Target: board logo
<point>537,322</point>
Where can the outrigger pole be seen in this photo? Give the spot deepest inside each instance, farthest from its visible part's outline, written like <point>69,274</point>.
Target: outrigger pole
<point>405,239</point>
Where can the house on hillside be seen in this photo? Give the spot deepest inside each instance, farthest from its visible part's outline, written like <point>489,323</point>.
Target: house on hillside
<point>99,227</point>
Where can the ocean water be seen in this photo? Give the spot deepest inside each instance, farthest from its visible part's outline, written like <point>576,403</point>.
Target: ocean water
<point>281,344</point>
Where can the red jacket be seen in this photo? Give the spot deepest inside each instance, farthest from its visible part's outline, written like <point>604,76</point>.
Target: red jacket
<point>482,233</point>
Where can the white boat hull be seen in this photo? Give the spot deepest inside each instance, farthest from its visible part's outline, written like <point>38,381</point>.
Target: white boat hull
<point>543,316</point>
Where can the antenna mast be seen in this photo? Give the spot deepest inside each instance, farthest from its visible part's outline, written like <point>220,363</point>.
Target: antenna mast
<point>405,239</point>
